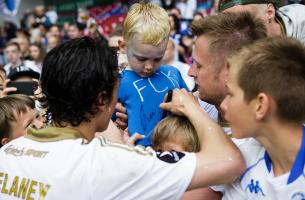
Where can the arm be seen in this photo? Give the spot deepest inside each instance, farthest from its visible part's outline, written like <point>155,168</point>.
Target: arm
<point>219,161</point>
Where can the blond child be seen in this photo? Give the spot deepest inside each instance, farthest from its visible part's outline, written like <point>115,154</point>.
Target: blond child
<point>175,133</point>
<point>144,82</point>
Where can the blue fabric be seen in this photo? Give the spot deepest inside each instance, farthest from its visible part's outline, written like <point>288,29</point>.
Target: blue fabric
<point>298,165</point>
<point>10,4</point>
<point>142,97</point>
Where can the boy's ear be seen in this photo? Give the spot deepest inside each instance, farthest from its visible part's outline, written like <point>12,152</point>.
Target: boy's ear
<point>122,46</point>
<point>4,141</point>
<point>263,106</point>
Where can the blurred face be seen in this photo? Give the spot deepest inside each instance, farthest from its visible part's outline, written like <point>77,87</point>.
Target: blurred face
<point>144,59</point>
<point>34,52</point>
<point>12,54</point>
<point>237,111</point>
<point>174,144</point>
<point>52,42</point>
<point>73,32</point>
<point>54,30</point>
<point>24,44</point>
<point>169,53</point>
<point>211,82</point>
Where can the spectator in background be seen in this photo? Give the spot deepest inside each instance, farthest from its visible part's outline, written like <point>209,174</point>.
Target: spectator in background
<point>37,53</point>
<point>40,17</point>
<point>13,55</point>
<point>74,31</point>
<point>55,31</point>
<point>24,44</point>
<point>169,59</point>
<point>187,8</point>
<point>9,30</point>
<point>52,14</point>
<point>53,41</point>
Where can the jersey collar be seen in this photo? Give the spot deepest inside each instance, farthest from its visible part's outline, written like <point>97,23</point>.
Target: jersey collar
<point>52,134</point>
<point>298,165</point>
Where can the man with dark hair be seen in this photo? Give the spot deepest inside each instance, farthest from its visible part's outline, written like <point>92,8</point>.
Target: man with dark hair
<point>80,83</point>
<point>288,20</point>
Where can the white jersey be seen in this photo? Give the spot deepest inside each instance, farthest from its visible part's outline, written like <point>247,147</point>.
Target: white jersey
<point>57,163</point>
<point>258,181</point>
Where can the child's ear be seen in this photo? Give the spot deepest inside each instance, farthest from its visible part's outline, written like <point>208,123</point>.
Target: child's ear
<point>122,46</point>
<point>4,141</point>
<point>263,106</point>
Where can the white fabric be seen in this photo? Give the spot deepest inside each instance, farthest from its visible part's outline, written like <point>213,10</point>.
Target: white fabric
<point>257,183</point>
<point>72,169</point>
<point>26,63</point>
<point>293,17</point>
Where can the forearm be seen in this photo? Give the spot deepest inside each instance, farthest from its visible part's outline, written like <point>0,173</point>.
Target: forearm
<point>219,160</point>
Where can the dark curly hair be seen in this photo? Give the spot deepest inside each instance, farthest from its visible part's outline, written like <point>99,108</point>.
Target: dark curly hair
<point>74,75</point>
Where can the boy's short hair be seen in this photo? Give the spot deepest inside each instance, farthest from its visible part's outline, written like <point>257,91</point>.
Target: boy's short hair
<point>10,106</point>
<point>173,127</point>
<point>11,43</point>
<point>149,21</point>
<point>275,66</point>
<point>229,32</point>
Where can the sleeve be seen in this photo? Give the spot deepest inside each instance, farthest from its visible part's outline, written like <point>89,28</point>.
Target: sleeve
<point>124,172</point>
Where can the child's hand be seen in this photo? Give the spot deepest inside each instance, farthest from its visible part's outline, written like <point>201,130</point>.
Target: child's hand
<point>122,117</point>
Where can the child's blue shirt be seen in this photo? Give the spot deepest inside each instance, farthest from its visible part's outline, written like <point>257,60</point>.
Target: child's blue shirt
<point>142,96</point>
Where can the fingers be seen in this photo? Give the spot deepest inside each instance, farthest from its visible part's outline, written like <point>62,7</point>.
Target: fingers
<point>120,108</point>
<point>134,138</point>
<point>182,102</point>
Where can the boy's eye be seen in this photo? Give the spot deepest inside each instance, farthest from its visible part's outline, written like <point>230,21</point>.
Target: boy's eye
<point>158,59</point>
<point>141,59</point>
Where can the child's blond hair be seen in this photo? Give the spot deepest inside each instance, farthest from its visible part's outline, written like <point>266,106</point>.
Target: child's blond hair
<point>148,21</point>
<point>176,128</point>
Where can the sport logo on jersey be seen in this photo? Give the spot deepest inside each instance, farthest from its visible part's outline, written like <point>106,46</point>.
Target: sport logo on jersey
<point>255,188</point>
<point>170,156</point>
<point>298,196</point>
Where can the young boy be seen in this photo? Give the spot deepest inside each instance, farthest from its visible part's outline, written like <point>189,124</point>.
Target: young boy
<point>17,113</point>
<point>144,83</point>
<point>266,95</point>
<point>175,133</point>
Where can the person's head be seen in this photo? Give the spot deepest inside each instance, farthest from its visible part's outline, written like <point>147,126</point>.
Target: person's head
<point>262,9</point>
<point>54,30</point>
<point>74,32</point>
<point>17,113</point>
<point>79,80</point>
<point>13,52</point>
<point>145,33</point>
<point>37,52</point>
<point>197,16</point>
<point>170,52</point>
<point>175,133</point>
<point>115,36</point>
<point>266,85</point>
<point>217,38</point>
<point>174,23</point>
<point>24,44</point>
<point>53,41</point>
